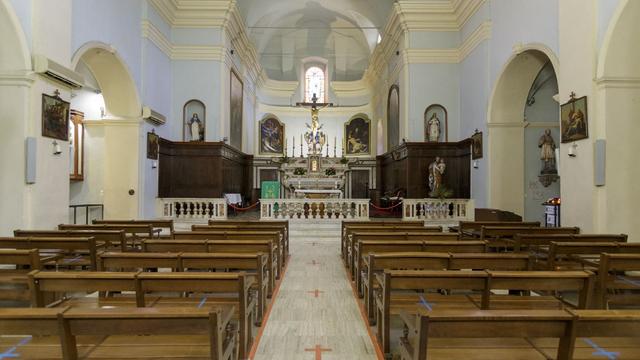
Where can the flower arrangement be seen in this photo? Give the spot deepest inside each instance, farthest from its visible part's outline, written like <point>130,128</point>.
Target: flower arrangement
<point>344,160</point>
<point>299,171</point>
<point>441,193</point>
<point>330,172</point>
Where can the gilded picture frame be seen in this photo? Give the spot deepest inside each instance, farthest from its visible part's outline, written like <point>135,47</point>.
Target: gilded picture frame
<point>357,135</point>
<point>55,117</point>
<point>272,136</point>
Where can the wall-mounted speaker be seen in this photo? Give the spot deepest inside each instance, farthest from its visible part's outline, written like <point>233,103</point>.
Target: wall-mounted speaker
<point>31,155</point>
<point>599,166</point>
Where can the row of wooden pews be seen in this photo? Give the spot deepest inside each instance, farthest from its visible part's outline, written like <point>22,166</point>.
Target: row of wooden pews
<point>490,279</point>
<point>129,275</point>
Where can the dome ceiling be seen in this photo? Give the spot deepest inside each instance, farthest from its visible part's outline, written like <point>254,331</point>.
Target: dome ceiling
<point>286,32</point>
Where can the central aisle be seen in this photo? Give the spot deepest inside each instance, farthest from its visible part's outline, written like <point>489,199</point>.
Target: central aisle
<point>300,322</point>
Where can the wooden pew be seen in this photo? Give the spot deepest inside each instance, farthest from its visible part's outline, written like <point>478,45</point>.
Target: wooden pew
<point>267,223</point>
<point>471,229</point>
<point>349,226</point>
<point>376,262</point>
<point>14,283</point>
<point>66,324</point>
<point>393,297</point>
<point>219,246</point>
<point>157,224</point>
<point>240,235</point>
<point>533,243</point>
<point>134,231</point>
<point>614,284</point>
<point>282,227</point>
<point>113,239</point>
<point>210,284</point>
<point>496,235</point>
<point>572,255</point>
<point>65,251</point>
<point>490,261</point>
<point>472,324</point>
<point>117,261</point>
<point>354,237</point>
<point>601,325</point>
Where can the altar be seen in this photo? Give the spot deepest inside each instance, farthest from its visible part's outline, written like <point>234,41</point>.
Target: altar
<point>314,177</point>
<point>317,194</point>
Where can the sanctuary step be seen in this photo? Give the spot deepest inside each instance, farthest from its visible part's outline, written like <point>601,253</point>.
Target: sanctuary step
<point>319,229</point>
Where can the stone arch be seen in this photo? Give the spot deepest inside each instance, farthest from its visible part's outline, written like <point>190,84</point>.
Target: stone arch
<point>114,77</point>
<point>618,94</point>
<point>505,123</point>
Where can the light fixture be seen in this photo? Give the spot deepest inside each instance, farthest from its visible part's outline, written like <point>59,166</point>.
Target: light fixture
<point>475,164</point>
<point>572,150</point>
<point>56,148</point>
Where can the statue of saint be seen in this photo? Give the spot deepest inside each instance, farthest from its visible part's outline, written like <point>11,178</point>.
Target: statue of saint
<point>433,128</point>
<point>436,171</point>
<point>547,153</point>
<point>195,125</point>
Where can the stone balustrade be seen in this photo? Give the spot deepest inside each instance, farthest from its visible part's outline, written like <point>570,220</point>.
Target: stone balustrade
<point>439,211</point>
<point>283,209</point>
<point>193,209</point>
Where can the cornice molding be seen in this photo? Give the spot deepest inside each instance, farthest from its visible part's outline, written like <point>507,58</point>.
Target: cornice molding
<point>17,78</point>
<point>180,52</point>
<point>192,13</point>
<point>611,82</point>
<point>542,124</point>
<point>452,15</point>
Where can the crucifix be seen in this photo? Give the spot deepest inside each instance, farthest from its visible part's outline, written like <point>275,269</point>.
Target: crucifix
<point>314,138</point>
<point>315,107</point>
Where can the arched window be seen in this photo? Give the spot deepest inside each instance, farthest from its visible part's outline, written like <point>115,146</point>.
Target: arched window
<point>314,80</point>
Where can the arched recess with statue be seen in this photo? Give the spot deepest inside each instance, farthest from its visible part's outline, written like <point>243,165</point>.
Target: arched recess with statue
<point>618,84</point>
<point>111,108</point>
<point>521,109</point>
<point>15,83</point>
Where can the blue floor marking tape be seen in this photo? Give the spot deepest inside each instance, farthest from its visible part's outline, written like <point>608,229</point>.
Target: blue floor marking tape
<point>611,355</point>
<point>425,303</point>
<point>204,300</point>
<point>629,281</point>
<point>11,352</point>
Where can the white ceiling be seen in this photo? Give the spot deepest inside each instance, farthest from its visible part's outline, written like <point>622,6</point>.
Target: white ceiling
<point>285,32</point>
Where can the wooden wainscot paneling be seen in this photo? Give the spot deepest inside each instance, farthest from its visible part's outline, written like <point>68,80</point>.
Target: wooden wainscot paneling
<point>203,170</point>
<point>405,167</point>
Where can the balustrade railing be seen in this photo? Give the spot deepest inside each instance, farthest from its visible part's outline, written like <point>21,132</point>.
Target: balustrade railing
<point>193,209</point>
<point>352,209</point>
<point>441,211</point>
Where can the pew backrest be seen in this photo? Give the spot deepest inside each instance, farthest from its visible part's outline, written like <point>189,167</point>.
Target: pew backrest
<point>20,258</point>
<point>490,261</point>
<point>156,224</point>
<point>73,245</point>
<point>109,237</point>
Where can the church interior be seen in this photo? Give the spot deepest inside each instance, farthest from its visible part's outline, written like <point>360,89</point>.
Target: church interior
<point>306,179</point>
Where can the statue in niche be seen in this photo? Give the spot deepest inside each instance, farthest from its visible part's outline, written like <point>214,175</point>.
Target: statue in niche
<point>195,125</point>
<point>547,153</point>
<point>549,172</point>
<point>433,128</point>
<point>436,172</point>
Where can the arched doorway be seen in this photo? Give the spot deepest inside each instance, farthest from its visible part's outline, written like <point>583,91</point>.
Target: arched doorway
<point>15,63</point>
<point>112,121</point>
<point>619,105</point>
<point>506,127</point>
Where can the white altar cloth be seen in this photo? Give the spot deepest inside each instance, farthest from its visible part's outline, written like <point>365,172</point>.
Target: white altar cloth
<point>303,193</point>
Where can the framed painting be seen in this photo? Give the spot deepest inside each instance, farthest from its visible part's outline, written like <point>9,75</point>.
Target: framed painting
<point>436,124</point>
<point>235,115</point>
<point>55,117</point>
<point>153,145</point>
<point>357,133</point>
<point>393,117</point>
<point>476,145</point>
<point>574,123</point>
<point>194,120</point>
<point>271,136</point>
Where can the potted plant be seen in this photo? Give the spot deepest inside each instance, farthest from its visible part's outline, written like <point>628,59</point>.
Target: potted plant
<point>299,171</point>
<point>441,193</point>
<point>330,171</point>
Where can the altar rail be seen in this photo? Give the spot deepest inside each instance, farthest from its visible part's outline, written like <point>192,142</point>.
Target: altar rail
<point>446,211</point>
<point>352,209</point>
<point>193,209</point>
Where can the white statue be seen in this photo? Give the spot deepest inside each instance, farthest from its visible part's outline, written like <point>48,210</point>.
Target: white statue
<point>436,171</point>
<point>194,126</point>
<point>433,128</point>
<point>547,152</point>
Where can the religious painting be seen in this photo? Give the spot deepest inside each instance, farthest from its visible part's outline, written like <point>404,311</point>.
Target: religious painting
<point>235,117</point>
<point>476,145</point>
<point>76,146</point>
<point>436,124</point>
<point>194,121</point>
<point>356,133</point>
<point>393,117</point>
<point>55,117</point>
<point>153,145</point>
<point>271,137</point>
<point>573,120</point>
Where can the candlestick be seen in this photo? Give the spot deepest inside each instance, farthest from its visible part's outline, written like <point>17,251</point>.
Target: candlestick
<point>335,143</point>
<point>293,148</point>
<point>286,150</point>
<point>301,155</point>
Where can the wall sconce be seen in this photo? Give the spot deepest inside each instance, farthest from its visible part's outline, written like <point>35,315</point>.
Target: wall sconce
<point>572,150</point>
<point>56,148</point>
<point>154,164</point>
<point>475,164</point>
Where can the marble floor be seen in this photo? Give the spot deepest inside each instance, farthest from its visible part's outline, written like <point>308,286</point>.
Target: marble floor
<point>315,314</point>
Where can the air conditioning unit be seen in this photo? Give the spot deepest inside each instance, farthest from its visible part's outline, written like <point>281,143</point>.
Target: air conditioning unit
<point>51,69</point>
<point>153,116</point>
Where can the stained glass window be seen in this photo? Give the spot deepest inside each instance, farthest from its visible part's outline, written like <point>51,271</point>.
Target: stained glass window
<point>314,84</point>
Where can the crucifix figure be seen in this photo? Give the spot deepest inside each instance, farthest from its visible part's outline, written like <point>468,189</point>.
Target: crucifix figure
<point>314,138</point>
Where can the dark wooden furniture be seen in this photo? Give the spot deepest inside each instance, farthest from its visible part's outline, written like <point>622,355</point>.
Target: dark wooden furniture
<point>203,170</point>
<point>405,167</point>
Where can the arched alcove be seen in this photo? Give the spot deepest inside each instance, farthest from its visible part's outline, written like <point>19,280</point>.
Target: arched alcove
<point>618,98</point>
<point>15,63</point>
<point>506,126</point>
<point>113,127</point>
